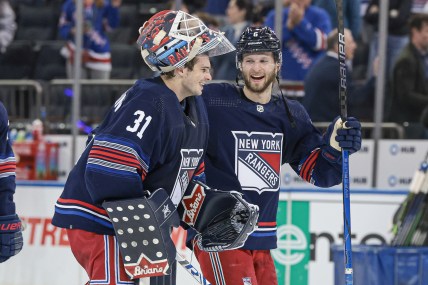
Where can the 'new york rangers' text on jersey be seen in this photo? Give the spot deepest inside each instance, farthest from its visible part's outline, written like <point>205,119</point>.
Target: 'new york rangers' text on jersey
<point>248,144</point>
<point>145,142</point>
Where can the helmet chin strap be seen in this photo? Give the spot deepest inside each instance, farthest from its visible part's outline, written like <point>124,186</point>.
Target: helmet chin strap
<point>239,73</point>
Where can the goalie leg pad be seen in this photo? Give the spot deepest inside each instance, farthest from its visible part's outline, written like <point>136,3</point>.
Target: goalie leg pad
<point>143,227</point>
<point>223,219</point>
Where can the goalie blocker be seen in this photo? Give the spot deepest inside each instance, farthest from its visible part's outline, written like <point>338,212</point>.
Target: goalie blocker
<point>143,231</point>
<point>223,219</point>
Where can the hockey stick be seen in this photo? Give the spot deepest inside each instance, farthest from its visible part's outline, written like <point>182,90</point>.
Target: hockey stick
<point>345,154</point>
<point>413,207</point>
<point>415,186</point>
<point>413,217</point>
<point>421,230</point>
<point>191,270</point>
<point>422,238</point>
<point>410,219</point>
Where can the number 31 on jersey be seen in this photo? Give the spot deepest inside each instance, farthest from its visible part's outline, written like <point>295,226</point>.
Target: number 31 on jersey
<point>137,127</point>
<point>141,116</point>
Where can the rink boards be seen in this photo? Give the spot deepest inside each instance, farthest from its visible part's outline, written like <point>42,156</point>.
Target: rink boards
<point>309,218</point>
<point>305,232</point>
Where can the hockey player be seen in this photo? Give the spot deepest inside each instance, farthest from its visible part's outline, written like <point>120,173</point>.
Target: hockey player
<point>252,133</point>
<point>153,139</point>
<point>10,225</point>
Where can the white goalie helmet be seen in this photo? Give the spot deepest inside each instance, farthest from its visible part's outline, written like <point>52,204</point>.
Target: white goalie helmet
<point>170,39</point>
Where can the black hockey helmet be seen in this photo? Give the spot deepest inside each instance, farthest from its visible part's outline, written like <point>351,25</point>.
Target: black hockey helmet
<point>258,39</point>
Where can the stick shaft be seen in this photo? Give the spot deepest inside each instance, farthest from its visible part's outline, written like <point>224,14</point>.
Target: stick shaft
<point>347,219</point>
<point>191,270</point>
<point>345,154</point>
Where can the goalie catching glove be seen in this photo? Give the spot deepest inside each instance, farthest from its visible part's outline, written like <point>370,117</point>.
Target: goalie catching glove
<point>223,219</point>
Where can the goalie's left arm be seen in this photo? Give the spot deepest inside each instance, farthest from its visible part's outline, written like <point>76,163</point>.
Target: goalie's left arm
<point>223,219</point>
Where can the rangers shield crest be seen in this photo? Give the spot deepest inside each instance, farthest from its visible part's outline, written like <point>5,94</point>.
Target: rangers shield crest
<point>258,158</point>
<point>189,162</point>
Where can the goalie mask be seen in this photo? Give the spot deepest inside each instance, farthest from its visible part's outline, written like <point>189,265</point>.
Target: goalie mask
<point>170,39</point>
<point>256,39</point>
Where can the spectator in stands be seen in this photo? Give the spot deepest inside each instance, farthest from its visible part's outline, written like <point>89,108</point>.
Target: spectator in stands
<point>188,6</point>
<point>321,98</point>
<point>351,14</point>
<point>216,7</point>
<point>10,225</point>
<point>7,25</point>
<point>239,17</point>
<point>410,75</point>
<point>420,6</point>
<point>172,5</point>
<point>398,15</point>
<point>304,36</point>
<point>99,17</point>
<point>260,11</point>
<point>209,20</point>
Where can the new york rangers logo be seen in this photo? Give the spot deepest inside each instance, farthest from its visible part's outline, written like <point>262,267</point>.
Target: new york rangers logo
<point>258,160</point>
<point>189,162</point>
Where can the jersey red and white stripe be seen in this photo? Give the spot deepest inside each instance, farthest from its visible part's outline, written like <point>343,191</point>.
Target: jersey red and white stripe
<point>7,167</point>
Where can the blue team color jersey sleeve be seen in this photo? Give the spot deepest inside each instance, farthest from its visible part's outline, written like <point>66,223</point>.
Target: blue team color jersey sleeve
<point>120,153</point>
<point>7,167</point>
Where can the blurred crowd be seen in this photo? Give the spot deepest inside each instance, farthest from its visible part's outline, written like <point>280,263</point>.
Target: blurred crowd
<point>309,47</point>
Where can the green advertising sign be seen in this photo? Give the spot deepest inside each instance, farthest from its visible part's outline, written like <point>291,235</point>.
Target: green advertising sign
<point>292,255</point>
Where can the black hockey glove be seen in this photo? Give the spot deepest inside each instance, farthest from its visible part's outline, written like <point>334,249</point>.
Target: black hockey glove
<point>223,219</point>
<point>342,135</point>
<point>11,241</point>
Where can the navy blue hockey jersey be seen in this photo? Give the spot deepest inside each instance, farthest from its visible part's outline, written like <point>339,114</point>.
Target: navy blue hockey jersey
<point>7,167</point>
<point>146,142</point>
<point>248,144</point>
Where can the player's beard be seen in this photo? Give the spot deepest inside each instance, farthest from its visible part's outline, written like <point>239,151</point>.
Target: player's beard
<point>259,88</point>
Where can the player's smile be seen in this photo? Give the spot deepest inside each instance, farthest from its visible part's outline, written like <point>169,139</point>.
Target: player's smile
<point>257,79</point>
